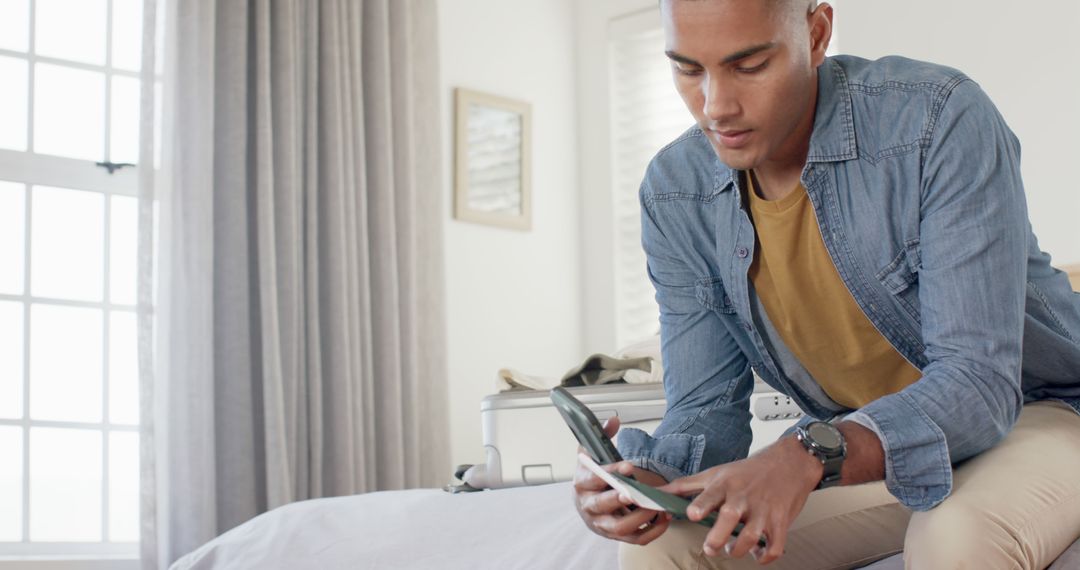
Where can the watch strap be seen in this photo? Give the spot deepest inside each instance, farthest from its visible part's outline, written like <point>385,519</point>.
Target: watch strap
<point>831,476</point>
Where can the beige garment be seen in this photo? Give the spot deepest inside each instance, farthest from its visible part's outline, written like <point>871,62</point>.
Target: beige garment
<point>1016,506</point>
<point>595,370</point>
<point>637,363</point>
<point>1074,276</point>
<point>645,347</point>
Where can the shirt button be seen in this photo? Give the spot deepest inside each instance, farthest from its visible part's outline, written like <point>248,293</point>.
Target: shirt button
<point>746,327</point>
<point>742,252</point>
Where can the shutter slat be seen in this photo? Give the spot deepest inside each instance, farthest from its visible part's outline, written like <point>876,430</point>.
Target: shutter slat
<point>646,115</point>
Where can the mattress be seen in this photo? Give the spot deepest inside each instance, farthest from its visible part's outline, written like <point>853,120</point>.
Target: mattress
<point>532,527</point>
<point>524,527</point>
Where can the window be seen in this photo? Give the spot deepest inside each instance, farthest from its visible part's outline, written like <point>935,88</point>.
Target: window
<point>69,409</point>
<point>646,114</point>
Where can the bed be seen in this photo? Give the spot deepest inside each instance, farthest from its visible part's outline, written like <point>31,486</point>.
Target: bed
<point>525,527</point>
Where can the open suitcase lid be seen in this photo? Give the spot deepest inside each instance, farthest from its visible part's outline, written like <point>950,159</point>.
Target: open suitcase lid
<point>589,395</point>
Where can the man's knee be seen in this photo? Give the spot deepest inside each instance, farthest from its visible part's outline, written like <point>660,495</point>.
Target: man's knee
<point>958,535</point>
<point>634,557</point>
<point>678,547</point>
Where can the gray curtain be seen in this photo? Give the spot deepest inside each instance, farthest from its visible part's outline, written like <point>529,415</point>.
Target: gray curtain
<point>297,331</point>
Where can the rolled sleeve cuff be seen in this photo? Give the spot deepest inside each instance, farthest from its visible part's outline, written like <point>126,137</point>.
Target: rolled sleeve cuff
<point>917,467</point>
<point>671,456</point>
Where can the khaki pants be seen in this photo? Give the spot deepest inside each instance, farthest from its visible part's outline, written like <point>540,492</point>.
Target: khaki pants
<point>1016,505</point>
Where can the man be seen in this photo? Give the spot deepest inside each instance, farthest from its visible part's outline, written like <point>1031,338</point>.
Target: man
<point>856,233</point>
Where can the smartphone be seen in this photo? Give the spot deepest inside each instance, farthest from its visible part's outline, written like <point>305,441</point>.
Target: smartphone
<point>590,434</point>
<point>587,429</point>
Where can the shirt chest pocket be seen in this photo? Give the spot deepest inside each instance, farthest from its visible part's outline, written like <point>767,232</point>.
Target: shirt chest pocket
<point>901,279</point>
<point>711,294</point>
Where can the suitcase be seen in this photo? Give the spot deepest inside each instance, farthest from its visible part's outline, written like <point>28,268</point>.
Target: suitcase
<point>526,441</point>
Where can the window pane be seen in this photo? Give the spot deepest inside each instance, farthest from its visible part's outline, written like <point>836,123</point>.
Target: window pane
<point>11,484</point>
<point>65,363</point>
<point>127,34</point>
<point>123,249</point>
<point>13,103</point>
<point>123,369</point>
<point>123,487</point>
<point>71,29</point>
<point>65,485</point>
<point>11,361</point>
<point>124,146</point>
<point>15,25</point>
<point>64,125</point>
<point>12,232</point>
<point>67,244</point>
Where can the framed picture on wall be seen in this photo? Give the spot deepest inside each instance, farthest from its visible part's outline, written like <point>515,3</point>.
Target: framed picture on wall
<point>493,156</point>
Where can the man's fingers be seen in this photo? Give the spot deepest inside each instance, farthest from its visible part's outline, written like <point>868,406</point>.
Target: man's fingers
<point>678,487</point>
<point>603,503</point>
<point>611,426</point>
<point>586,481</point>
<point>620,466</point>
<point>653,531</point>
<point>748,537</point>
<point>630,524</point>
<point>603,524</point>
<point>708,501</point>
<point>685,485</point>
<point>777,538</point>
<point>727,519</point>
<point>623,467</point>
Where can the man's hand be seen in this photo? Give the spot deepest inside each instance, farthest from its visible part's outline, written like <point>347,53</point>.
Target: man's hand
<point>765,491</point>
<point>606,513</point>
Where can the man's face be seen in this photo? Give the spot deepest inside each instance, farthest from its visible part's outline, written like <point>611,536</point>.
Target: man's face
<point>746,70</point>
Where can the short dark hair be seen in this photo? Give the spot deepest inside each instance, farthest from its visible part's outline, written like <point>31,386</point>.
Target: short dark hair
<point>810,4</point>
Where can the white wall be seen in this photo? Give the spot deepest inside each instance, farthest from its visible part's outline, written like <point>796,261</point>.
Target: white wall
<point>1024,56</point>
<point>513,298</point>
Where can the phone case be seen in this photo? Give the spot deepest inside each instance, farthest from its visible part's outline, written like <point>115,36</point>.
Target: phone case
<point>587,429</point>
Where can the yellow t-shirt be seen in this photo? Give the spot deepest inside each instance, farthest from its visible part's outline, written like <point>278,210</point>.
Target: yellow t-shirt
<point>812,309</point>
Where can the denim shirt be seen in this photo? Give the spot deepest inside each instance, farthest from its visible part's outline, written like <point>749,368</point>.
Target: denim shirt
<point>915,182</point>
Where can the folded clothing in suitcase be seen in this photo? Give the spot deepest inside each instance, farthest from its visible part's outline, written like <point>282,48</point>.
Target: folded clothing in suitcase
<point>526,441</point>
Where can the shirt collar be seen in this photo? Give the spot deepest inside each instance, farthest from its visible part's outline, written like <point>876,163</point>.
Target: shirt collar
<point>833,139</point>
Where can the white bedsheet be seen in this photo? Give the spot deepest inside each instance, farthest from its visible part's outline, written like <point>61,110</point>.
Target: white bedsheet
<point>526,527</point>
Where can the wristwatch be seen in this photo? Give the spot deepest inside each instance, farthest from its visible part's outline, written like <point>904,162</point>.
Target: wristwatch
<point>824,441</point>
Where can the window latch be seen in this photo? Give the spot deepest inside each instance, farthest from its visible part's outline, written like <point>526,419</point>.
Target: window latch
<point>114,166</point>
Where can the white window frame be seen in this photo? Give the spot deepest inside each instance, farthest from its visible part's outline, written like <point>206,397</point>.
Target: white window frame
<point>30,169</point>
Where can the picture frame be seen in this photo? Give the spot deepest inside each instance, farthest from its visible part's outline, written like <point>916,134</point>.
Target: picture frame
<point>493,160</point>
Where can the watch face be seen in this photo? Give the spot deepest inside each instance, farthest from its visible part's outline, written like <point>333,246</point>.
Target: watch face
<point>825,435</point>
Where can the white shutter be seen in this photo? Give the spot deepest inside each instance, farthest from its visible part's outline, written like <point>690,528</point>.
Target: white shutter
<point>646,114</point>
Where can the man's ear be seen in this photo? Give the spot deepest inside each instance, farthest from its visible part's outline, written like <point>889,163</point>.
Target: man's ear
<point>820,22</point>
